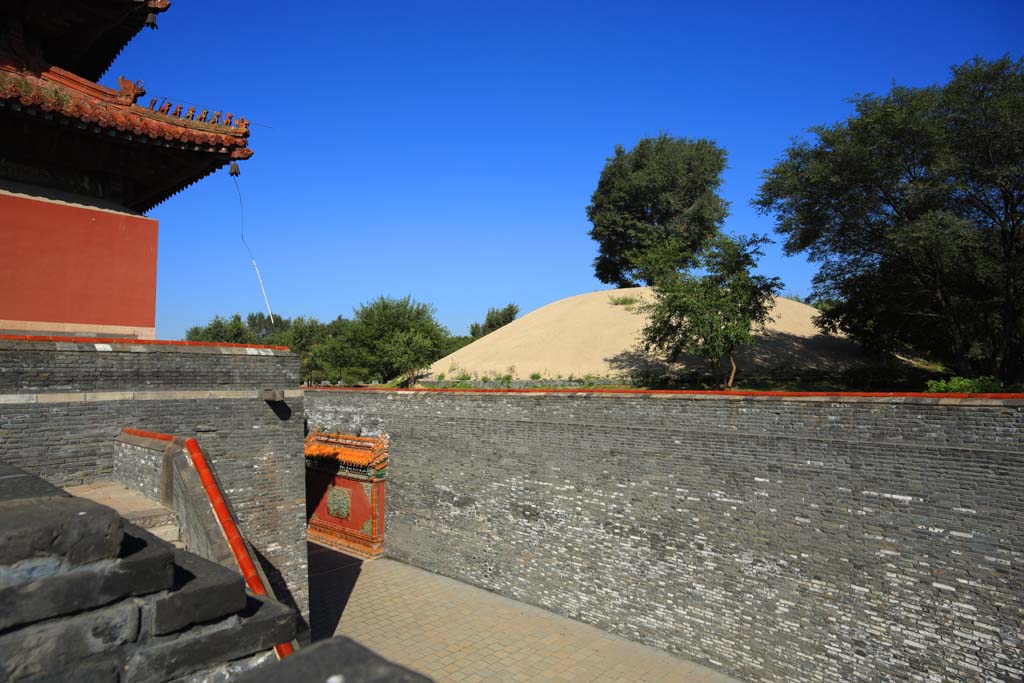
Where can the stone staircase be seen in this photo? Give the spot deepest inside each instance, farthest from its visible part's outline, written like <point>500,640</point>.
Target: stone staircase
<point>140,510</point>
<point>88,595</point>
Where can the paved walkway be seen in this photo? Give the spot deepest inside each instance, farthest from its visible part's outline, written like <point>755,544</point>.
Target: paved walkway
<point>454,632</point>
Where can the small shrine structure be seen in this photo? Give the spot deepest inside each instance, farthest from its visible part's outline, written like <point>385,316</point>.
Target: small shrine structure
<point>80,163</point>
<point>345,492</point>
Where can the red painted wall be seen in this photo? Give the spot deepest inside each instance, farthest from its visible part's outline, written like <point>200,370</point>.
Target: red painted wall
<point>70,264</point>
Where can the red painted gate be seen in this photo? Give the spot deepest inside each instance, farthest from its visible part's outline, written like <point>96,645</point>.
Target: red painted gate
<point>345,492</point>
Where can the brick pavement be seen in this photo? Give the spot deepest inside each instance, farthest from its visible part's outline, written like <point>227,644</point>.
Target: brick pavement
<point>458,633</point>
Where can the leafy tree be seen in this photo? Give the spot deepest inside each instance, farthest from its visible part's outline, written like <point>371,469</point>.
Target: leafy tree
<point>264,331</point>
<point>914,209</point>
<point>496,317</point>
<point>714,314</point>
<point>229,330</point>
<point>393,337</point>
<point>661,194</point>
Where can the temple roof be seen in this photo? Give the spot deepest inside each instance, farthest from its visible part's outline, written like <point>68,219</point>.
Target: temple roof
<point>144,154</point>
<point>81,36</point>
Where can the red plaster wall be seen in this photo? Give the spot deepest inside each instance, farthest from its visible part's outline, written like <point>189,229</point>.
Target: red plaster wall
<point>70,264</point>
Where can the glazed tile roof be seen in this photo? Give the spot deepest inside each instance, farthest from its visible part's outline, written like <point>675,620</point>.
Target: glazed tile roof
<point>350,451</point>
<point>60,92</point>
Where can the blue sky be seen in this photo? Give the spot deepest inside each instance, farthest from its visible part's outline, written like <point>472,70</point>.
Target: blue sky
<point>448,150</point>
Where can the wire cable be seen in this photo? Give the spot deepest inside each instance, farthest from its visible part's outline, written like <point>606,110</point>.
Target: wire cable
<point>241,216</point>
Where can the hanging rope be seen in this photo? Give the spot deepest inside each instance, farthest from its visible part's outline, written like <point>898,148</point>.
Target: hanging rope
<point>241,215</point>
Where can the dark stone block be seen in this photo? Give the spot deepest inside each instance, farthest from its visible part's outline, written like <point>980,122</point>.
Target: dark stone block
<point>76,529</point>
<point>56,648</point>
<point>202,591</point>
<point>16,484</point>
<point>259,626</point>
<point>339,656</point>
<point>143,566</point>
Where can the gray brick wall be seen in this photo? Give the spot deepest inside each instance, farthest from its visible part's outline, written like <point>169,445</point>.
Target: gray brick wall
<point>256,447</point>
<point>139,469</point>
<point>777,540</point>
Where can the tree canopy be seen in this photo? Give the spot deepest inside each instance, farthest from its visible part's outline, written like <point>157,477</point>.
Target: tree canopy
<point>914,209</point>
<point>661,195</point>
<point>385,339</point>
<point>496,317</point>
<point>713,314</point>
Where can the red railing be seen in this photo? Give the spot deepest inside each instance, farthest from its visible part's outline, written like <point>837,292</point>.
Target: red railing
<point>224,519</point>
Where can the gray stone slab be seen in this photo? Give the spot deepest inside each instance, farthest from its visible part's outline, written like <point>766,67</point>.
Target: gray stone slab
<point>259,626</point>
<point>51,589</point>
<point>203,591</point>
<point>55,649</point>
<point>337,659</point>
<point>76,529</point>
<point>16,484</point>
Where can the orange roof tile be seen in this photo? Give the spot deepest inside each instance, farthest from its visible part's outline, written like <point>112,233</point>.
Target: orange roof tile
<point>352,451</point>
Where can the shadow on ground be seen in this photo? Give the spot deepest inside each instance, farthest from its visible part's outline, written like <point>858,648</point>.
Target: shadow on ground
<point>332,576</point>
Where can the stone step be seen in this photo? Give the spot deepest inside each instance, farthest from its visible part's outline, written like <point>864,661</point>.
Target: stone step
<point>167,532</point>
<point>41,588</point>
<point>203,591</point>
<point>130,504</point>
<point>260,625</point>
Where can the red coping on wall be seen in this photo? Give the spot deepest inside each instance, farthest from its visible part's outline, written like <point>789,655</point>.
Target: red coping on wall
<point>224,518</point>
<point>683,392</point>
<point>128,340</point>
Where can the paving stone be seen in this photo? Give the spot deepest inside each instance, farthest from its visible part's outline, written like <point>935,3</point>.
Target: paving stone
<point>338,659</point>
<point>202,591</point>
<point>452,631</point>
<point>75,529</point>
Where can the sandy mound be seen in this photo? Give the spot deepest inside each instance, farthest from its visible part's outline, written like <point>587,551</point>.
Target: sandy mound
<point>588,334</point>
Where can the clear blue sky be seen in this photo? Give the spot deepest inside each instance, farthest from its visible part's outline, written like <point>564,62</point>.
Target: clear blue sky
<point>448,150</point>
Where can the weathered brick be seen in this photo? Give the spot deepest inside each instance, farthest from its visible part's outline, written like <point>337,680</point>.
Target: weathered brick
<point>777,540</point>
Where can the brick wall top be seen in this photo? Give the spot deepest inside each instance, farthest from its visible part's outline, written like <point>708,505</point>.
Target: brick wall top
<point>135,345</point>
<point>36,366</point>
<point>919,398</point>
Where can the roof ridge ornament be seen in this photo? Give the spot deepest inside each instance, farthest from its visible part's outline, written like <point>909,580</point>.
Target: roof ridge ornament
<point>129,91</point>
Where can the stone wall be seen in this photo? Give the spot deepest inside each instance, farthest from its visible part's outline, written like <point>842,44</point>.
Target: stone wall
<point>62,404</point>
<point>773,538</point>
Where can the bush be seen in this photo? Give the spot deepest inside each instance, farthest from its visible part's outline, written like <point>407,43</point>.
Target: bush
<point>965,385</point>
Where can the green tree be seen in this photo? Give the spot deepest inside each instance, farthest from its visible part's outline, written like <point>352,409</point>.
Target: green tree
<point>662,194</point>
<point>228,330</point>
<point>496,317</point>
<point>914,209</point>
<point>714,314</point>
<point>264,331</point>
<point>392,337</point>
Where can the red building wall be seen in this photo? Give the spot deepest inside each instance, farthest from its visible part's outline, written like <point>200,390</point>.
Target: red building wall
<point>73,269</point>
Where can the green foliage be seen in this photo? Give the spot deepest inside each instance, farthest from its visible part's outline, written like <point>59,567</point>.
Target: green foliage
<point>535,375</point>
<point>966,385</point>
<point>628,301</point>
<point>714,314</point>
<point>386,339</point>
<point>912,208</point>
<point>392,337</point>
<point>496,317</point>
<point>228,330</point>
<point>662,194</point>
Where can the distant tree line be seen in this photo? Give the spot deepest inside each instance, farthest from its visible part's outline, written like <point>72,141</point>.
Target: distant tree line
<point>913,208</point>
<point>386,339</point>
